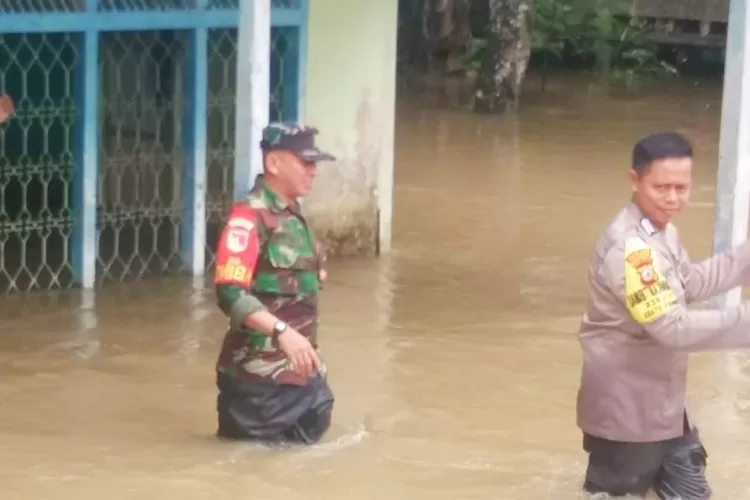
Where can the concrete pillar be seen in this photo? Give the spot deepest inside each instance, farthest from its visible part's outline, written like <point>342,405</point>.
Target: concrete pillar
<point>733,183</point>
<point>253,91</point>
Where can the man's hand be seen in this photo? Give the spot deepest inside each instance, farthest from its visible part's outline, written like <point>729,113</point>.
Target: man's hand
<point>300,352</point>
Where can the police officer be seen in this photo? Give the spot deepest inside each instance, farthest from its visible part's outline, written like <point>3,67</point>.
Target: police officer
<point>638,330</point>
<point>271,380</point>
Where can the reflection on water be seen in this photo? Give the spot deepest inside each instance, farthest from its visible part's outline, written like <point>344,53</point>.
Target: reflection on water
<point>454,361</point>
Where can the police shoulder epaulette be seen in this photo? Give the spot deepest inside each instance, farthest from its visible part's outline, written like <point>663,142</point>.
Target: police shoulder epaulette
<point>648,226</point>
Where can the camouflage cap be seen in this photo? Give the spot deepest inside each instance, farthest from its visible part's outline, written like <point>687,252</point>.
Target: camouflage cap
<point>296,138</point>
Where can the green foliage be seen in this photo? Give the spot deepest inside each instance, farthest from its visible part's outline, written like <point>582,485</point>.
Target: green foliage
<point>472,58</point>
<point>599,29</point>
<point>640,64</point>
<point>551,28</point>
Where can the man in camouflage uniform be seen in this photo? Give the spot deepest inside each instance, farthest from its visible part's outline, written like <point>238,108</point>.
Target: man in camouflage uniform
<point>272,384</point>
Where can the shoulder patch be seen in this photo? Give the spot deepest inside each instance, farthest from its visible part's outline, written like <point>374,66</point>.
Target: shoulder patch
<point>238,248</point>
<point>648,295</point>
<point>241,222</point>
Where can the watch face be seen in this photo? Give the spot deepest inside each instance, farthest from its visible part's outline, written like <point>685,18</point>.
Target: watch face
<point>279,327</point>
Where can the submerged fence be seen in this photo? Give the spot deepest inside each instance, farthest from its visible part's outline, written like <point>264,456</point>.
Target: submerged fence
<point>113,98</point>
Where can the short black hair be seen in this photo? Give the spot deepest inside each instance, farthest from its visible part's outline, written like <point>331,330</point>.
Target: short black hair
<point>659,146</point>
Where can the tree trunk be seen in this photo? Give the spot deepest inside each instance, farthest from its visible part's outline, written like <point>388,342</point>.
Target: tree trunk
<point>507,55</point>
<point>446,31</point>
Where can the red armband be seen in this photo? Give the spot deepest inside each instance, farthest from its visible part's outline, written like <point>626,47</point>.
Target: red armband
<point>237,251</point>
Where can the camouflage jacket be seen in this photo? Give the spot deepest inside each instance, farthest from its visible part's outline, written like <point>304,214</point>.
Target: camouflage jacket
<point>267,257</point>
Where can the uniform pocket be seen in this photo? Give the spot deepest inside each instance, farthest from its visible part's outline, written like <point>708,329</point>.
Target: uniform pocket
<point>290,246</point>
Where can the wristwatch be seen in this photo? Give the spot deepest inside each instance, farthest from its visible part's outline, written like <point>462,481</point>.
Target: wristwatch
<point>278,328</point>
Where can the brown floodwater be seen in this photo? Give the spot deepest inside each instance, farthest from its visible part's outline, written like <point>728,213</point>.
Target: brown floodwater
<point>454,360</point>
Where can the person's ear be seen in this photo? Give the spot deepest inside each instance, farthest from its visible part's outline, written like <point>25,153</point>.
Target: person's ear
<point>273,162</point>
<point>634,178</point>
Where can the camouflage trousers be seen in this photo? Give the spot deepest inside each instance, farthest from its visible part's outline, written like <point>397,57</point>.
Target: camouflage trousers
<point>270,412</point>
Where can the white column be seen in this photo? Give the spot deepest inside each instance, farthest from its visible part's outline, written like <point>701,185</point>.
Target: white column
<point>386,164</point>
<point>253,91</point>
<point>733,183</point>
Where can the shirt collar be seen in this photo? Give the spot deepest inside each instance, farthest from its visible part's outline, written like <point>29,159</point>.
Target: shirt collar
<point>644,222</point>
<point>273,200</point>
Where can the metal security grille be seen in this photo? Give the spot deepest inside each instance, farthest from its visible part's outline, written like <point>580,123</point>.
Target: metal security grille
<point>287,4</point>
<point>101,165</point>
<point>141,153</point>
<point>147,5</point>
<point>54,6</point>
<point>39,6</point>
<point>222,67</point>
<point>277,4</point>
<point>36,161</point>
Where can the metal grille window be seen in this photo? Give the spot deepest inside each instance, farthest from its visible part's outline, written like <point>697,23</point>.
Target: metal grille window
<point>104,93</point>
